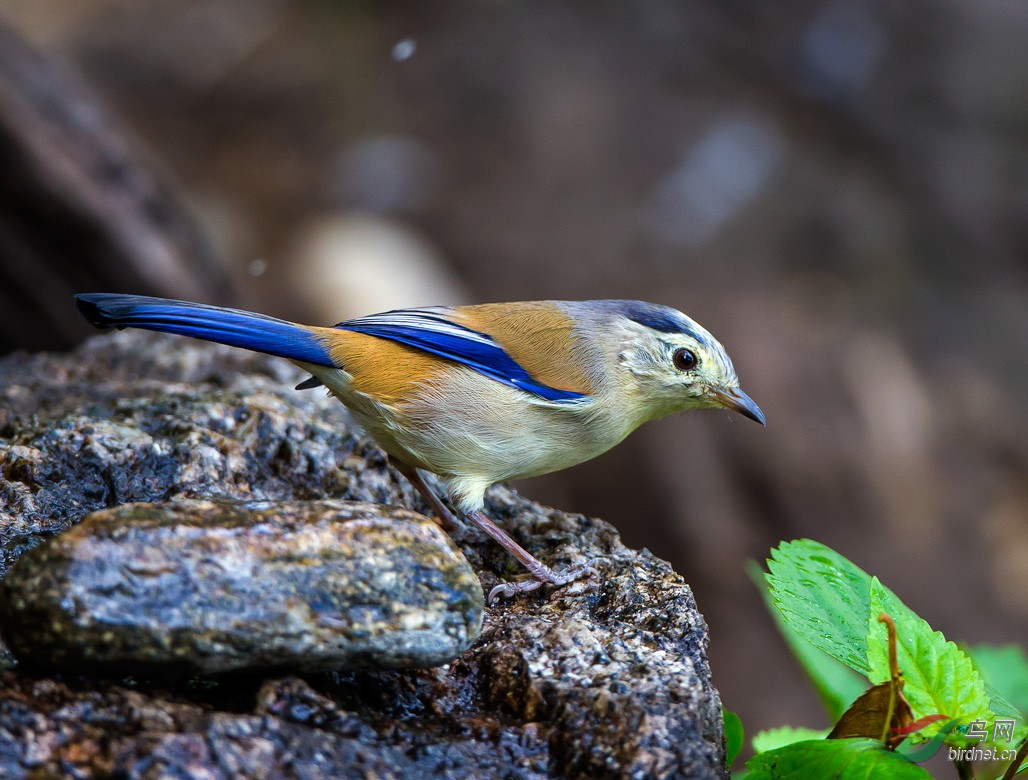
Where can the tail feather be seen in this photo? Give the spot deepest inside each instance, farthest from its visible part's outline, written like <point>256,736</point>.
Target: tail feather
<point>201,321</point>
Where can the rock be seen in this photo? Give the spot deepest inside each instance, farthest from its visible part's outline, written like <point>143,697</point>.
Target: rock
<point>611,683</point>
<point>207,587</point>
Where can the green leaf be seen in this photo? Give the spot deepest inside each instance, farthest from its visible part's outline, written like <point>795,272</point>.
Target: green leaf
<point>1000,706</point>
<point>833,759</point>
<point>823,598</point>
<point>939,677</point>
<point>826,601</point>
<point>836,684</point>
<point>1005,669</point>
<point>772,739</point>
<point>734,736</point>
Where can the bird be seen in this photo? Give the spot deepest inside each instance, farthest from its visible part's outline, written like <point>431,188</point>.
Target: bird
<point>480,394</point>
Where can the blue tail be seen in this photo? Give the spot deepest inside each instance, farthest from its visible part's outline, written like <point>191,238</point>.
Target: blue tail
<point>211,323</point>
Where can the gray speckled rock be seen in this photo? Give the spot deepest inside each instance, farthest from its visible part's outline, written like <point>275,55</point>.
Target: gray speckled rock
<point>212,587</point>
<point>613,683</point>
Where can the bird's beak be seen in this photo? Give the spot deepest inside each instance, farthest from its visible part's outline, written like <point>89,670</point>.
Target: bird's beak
<point>735,399</point>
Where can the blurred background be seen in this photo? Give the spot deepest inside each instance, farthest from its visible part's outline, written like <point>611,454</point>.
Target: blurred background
<point>837,189</point>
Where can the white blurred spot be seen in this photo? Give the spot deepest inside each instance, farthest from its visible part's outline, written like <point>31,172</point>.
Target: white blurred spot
<point>840,50</point>
<point>720,174</point>
<point>360,264</point>
<point>257,267</point>
<point>386,174</point>
<point>404,50</point>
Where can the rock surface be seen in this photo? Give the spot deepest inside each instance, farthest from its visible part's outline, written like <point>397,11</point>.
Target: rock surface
<point>610,683</point>
<point>207,587</point>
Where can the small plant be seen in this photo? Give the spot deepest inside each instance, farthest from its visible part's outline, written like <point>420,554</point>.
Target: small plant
<point>846,630</point>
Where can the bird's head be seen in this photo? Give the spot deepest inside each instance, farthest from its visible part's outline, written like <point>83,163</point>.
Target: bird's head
<point>675,363</point>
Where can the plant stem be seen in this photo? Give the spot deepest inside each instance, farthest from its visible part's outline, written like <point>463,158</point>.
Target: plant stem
<point>894,677</point>
<point>965,771</point>
<point>1022,753</point>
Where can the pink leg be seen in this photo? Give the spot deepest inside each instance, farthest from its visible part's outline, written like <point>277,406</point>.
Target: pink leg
<point>541,573</point>
<point>446,518</point>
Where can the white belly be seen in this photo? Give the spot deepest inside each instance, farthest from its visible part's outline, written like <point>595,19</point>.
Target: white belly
<point>473,431</point>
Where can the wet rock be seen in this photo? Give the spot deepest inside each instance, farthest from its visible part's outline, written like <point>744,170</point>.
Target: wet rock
<point>610,683</point>
<point>209,587</point>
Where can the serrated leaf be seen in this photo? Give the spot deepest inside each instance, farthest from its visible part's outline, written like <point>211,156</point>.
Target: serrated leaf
<point>939,677</point>
<point>1005,670</point>
<point>836,759</point>
<point>826,600</point>
<point>823,597</point>
<point>836,684</point>
<point>772,739</point>
<point>734,737</point>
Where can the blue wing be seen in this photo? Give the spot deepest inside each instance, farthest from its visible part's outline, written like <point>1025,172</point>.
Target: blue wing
<point>429,330</point>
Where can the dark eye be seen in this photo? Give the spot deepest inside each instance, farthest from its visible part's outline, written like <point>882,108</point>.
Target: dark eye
<point>684,360</point>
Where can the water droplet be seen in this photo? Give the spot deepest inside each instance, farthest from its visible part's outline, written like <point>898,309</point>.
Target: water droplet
<point>404,50</point>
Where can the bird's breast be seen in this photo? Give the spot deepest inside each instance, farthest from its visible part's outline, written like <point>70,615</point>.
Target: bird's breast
<point>469,425</point>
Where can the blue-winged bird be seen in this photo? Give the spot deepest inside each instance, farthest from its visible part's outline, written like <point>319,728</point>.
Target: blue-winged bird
<point>480,394</point>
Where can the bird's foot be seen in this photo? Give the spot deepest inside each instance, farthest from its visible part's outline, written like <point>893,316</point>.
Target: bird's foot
<point>543,575</point>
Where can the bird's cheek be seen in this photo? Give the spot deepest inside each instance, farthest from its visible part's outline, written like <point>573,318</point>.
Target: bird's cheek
<point>679,398</point>
<point>704,398</point>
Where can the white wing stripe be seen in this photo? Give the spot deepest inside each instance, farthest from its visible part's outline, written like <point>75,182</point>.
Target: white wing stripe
<point>422,319</point>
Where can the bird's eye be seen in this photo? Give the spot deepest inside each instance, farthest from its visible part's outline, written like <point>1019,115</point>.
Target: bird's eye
<point>684,360</point>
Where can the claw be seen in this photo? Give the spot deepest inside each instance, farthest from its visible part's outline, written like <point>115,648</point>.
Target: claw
<point>508,589</point>
<point>545,577</point>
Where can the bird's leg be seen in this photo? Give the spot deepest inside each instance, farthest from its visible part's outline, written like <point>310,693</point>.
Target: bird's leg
<point>541,573</point>
<point>448,522</point>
